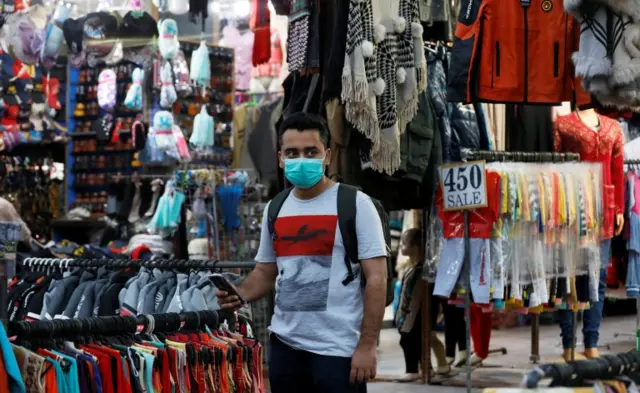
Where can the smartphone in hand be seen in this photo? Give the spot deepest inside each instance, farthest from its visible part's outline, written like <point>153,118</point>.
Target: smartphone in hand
<point>223,284</point>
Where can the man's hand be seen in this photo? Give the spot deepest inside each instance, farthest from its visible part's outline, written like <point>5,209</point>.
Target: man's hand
<point>258,283</point>
<point>363,364</point>
<point>227,301</point>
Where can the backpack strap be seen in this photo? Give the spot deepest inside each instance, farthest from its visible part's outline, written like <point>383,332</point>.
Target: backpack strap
<point>274,209</point>
<point>347,223</point>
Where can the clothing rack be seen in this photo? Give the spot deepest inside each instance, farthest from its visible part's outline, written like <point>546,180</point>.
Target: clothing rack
<point>65,263</point>
<point>516,156</point>
<point>573,373</point>
<point>117,325</point>
<point>496,156</point>
<point>634,334</point>
<point>162,264</point>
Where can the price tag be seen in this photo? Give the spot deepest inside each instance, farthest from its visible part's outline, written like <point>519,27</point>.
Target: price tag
<point>464,185</point>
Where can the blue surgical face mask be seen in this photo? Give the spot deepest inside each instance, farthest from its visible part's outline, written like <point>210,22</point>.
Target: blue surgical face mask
<point>304,172</point>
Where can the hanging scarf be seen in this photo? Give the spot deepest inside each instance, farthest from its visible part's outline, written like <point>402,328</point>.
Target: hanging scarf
<point>360,82</point>
<point>260,24</point>
<point>411,73</point>
<point>299,34</point>
<point>382,77</point>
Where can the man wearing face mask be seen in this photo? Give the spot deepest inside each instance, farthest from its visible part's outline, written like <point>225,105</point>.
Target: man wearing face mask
<point>325,327</point>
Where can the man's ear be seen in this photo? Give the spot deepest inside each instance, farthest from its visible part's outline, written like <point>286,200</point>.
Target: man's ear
<point>327,157</point>
<point>280,160</point>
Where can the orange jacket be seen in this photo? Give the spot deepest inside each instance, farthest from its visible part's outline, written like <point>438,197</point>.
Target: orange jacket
<point>514,51</point>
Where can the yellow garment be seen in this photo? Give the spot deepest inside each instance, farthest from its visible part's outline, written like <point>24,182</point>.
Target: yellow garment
<point>239,123</point>
<point>562,202</point>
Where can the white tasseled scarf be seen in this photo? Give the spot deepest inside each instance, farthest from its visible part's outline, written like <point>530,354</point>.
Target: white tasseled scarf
<point>384,71</point>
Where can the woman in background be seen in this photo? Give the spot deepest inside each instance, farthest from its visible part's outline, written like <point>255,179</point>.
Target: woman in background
<point>408,317</point>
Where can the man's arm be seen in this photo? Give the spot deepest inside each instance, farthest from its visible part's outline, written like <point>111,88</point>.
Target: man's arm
<point>364,362</point>
<point>258,283</point>
<point>375,295</point>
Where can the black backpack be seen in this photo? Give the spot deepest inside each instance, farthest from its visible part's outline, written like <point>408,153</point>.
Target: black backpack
<point>347,224</point>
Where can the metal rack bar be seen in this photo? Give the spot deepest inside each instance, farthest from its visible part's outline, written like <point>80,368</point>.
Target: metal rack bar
<point>516,156</point>
<point>153,264</point>
<point>116,325</point>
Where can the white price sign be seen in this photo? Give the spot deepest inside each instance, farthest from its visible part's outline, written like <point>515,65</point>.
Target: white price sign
<point>464,185</point>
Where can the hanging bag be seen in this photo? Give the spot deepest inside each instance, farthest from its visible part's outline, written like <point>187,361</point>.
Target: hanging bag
<point>168,42</point>
<point>133,100</point>
<point>107,89</point>
<point>203,129</point>
<point>168,92</point>
<point>163,130</point>
<point>200,72</point>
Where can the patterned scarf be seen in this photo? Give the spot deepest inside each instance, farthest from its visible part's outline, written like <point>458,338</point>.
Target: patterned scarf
<point>384,72</point>
<point>299,34</point>
<point>360,80</point>
<point>412,64</point>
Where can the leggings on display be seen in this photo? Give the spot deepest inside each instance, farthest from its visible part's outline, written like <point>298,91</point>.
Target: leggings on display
<point>480,331</point>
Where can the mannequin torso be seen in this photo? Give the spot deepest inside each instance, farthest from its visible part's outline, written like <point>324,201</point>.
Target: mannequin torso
<point>597,139</point>
<point>590,118</point>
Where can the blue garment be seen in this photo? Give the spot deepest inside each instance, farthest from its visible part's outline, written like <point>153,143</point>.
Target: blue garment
<point>71,374</point>
<point>61,380</point>
<point>633,259</point>
<point>396,296</point>
<point>16,384</point>
<point>96,371</point>
<point>592,316</point>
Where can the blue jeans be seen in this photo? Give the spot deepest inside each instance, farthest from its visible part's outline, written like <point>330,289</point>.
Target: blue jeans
<point>591,317</point>
<point>295,371</point>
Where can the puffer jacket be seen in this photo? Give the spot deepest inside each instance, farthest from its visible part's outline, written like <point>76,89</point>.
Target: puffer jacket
<point>457,123</point>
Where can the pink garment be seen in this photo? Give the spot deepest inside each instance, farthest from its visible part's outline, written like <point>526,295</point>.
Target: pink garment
<point>242,45</point>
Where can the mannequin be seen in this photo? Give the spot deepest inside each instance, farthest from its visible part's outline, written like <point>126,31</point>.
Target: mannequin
<point>596,138</point>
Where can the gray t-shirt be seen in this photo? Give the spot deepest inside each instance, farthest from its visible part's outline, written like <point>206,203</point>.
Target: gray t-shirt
<point>314,311</point>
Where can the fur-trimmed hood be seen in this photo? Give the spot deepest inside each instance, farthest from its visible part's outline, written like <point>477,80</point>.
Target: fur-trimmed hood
<point>609,59</point>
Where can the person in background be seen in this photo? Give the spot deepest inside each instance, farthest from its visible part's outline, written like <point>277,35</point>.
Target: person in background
<point>408,318</point>
<point>324,329</point>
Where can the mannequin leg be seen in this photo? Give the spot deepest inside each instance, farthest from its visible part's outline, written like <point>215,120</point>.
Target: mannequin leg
<point>565,320</point>
<point>593,315</point>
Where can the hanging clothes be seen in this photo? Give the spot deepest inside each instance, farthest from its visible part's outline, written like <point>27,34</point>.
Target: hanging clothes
<point>185,359</point>
<point>529,128</point>
<point>493,33</point>
<point>605,146</point>
<point>539,229</point>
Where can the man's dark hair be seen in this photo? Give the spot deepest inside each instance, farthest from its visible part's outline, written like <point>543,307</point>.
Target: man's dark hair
<point>302,121</point>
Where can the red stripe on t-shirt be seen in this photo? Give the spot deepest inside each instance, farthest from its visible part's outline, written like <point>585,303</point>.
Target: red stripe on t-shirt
<point>305,235</point>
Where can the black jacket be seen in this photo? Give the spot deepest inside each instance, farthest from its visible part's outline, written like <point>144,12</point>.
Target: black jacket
<point>458,124</point>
